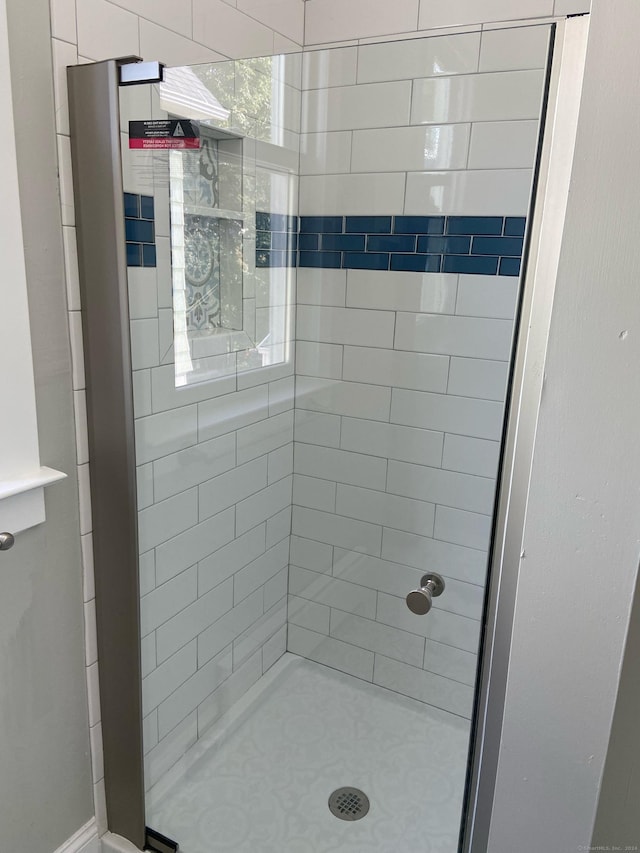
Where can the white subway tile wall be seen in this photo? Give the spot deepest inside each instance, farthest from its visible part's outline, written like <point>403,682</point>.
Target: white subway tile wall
<point>332,22</point>
<point>401,376</point>
<point>439,136</point>
<point>215,479</point>
<point>90,30</point>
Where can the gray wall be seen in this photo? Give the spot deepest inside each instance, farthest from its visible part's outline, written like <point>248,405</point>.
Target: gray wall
<point>617,818</point>
<point>581,538</point>
<point>45,777</point>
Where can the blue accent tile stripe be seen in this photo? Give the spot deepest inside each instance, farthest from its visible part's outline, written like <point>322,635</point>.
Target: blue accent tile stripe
<point>148,256</point>
<point>444,245</point>
<point>276,222</point>
<point>263,222</point>
<point>343,242</point>
<point>511,246</point>
<point>368,225</point>
<point>391,243</point>
<point>416,263</point>
<point>321,224</point>
<point>308,242</point>
<point>132,205</point>
<point>284,240</point>
<point>139,231</point>
<point>147,207</point>
<point>278,240</point>
<point>263,239</point>
<point>418,225</point>
<point>514,226</point>
<point>139,226</point>
<point>509,266</point>
<point>365,261</point>
<point>475,225</point>
<point>134,255</point>
<point>480,245</point>
<point>327,260</point>
<point>474,265</point>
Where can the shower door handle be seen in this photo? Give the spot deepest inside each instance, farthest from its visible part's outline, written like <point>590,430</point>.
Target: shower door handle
<point>7,541</point>
<point>419,601</point>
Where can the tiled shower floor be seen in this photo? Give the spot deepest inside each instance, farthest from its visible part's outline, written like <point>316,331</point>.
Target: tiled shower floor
<point>261,781</point>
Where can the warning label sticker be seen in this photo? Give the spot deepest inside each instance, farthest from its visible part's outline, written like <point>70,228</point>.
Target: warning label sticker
<point>164,133</point>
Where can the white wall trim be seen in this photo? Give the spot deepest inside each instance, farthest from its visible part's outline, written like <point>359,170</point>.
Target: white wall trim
<point>85,840</point>
<point>547,231</point>
<point>21,487</point>
<point>581,528</point>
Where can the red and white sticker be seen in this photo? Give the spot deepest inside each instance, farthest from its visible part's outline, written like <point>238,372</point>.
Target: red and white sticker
<point>164,133</point>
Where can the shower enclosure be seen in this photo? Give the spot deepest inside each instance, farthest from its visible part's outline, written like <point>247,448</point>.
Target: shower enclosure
<point>301,283</point>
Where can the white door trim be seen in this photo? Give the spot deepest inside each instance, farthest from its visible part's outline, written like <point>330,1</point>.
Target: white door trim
<point>547,227</point>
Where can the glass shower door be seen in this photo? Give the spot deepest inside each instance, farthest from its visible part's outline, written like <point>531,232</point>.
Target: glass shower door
<point>324,256</point>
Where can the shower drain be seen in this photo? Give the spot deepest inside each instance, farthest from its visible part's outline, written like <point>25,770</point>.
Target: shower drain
<point>349,804</point>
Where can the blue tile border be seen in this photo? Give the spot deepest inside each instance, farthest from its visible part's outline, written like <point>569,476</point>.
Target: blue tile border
<point>365,261</point>
<point>480,245</point>
<point>391,243</point>
<point>342,242</point>
<point>416,263</point>
<point>418,225</point>
<point>328,260</point>
<point>475,225</point>
<point>309,242</point>
<point>367,224</point>
<point>444,245</point>
<point>132,205</point>
<point>321,224</point>
<point>278,240</point>
<point>514,226</point>
<point>139,231</point>
<point>470,264</point>
<point>510,246</point>
<point>139,226</point>
<point>509,266</point>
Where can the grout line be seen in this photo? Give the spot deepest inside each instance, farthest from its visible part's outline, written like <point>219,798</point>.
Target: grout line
<point>304,37</point>
<point>386,526</point>
<point>433,77</point>
<point>63,41</point>
<point>385,624</point>
<point>407,352</point>
<point>449,374</point>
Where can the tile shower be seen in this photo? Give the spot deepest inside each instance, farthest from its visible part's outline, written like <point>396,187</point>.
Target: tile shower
<point>413,196</point>
<point>214,429</point>
<point>305,457</point>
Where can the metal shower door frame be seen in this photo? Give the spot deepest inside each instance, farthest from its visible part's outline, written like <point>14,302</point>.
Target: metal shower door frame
<point>94,113</point>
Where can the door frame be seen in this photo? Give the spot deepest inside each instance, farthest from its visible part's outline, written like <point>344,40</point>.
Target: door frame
<point>542,254</point>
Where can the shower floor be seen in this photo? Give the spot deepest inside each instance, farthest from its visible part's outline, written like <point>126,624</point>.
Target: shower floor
<point>259,781</point>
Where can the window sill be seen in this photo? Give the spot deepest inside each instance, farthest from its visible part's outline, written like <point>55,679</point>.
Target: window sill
<point>22,499</point>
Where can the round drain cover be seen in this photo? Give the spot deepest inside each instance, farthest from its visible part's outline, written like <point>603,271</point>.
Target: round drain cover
<point>349,803</point>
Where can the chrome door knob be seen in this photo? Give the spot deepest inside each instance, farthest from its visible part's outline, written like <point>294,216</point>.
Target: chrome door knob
<point>7,541</point>
<point>419,601</point>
